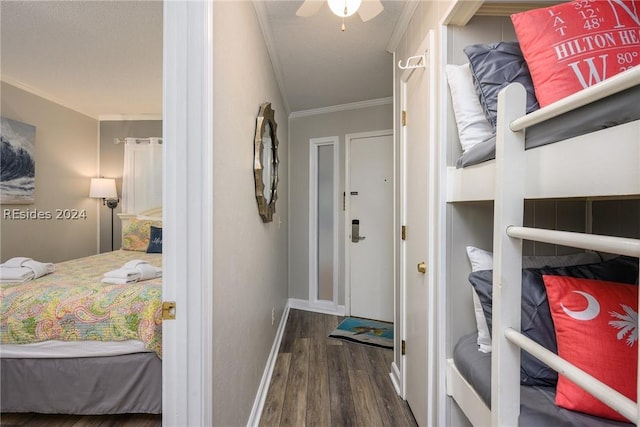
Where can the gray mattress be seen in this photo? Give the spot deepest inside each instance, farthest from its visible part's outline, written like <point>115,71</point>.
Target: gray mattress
<point>130,383</point>
<point>613,110</point>
<point>537,407</point>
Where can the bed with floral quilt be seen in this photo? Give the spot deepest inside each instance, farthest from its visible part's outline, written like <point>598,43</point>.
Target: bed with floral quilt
<point>72,344</point>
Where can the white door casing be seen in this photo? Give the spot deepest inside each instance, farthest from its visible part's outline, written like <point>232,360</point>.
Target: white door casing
<point>187,377</point>
<point>369,200</point>
<point>418,169</point>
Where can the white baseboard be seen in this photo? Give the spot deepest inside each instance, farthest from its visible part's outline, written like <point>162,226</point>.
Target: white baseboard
<point>395,378</point>
<point>263,389</point>
<point>303,304</point>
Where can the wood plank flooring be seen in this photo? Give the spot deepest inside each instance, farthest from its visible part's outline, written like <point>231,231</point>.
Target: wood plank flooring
<point>40,420</point>
<point>321,381</point>
<point>317,381</point>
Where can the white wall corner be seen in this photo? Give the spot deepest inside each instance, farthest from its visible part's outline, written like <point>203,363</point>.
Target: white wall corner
<point>302,304</point>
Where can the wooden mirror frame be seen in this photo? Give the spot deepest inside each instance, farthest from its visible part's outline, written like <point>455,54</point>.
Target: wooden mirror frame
<point>266,121</point>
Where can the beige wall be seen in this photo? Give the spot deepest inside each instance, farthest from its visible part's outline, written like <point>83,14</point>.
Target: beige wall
<point>302,130</point>
<point>66,159</point>
<point>249,256</point>
<point>111,163</point>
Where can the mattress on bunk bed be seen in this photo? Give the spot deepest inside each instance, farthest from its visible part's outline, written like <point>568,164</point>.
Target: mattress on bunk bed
<point>613,110</point>
<point>537,403</point>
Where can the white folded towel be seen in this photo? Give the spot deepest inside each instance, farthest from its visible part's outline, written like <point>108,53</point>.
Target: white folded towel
<point>15,274</point>
<point>118,281</point>
<point>123,273</point>
<point>23,269</point>
<point>131,272</point>
<point>16,261</point>
<point>39,268</point>
<point>147,271</point>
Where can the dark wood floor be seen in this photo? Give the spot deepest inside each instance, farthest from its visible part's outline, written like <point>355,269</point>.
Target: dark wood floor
<point>317,381</point>
<point>38,420</point>
<point>321,381</point>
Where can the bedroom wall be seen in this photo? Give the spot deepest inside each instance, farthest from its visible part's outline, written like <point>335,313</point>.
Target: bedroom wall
<point>249,256</point>
<point>111,164</point>
<point>66,159</point>
<point>302,129</point>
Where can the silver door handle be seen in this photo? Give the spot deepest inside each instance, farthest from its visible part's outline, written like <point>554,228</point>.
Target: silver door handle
<point>355,231</point>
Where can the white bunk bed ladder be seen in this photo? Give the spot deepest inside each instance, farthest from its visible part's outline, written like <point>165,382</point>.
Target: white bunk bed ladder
<point>507,276</point>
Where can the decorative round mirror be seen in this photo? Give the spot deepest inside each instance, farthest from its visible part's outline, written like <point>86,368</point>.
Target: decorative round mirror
<point>265,162</point>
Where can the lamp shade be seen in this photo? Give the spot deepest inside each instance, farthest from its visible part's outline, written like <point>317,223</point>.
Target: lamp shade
<point>103,188</point>
<point>344,8</point>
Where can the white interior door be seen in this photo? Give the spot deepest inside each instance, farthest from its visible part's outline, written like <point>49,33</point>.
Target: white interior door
<point>416,140</point>
<point>370,226</point>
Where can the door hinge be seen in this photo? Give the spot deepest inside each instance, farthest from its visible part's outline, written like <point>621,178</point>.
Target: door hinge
<point>168,310</point>
<point>404,117</point>
<point>404,347</point>
<point>403,234</point>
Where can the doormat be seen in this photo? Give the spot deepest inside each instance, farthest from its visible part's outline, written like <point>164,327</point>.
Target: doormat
<point>365,331</point>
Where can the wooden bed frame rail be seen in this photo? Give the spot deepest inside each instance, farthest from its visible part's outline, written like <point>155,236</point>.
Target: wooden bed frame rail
<point>507,267</point>
<point>624,80</point>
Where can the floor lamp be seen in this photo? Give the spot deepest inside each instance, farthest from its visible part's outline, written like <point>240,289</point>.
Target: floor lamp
<point>105,189</point>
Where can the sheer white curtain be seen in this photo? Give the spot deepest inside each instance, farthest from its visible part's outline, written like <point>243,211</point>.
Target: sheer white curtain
<point>142,175</point>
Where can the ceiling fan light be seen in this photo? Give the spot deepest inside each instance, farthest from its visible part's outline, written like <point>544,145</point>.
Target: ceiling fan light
<point>344,8</point>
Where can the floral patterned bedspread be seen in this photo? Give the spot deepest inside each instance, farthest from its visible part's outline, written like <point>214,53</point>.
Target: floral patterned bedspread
<point>72,304</point>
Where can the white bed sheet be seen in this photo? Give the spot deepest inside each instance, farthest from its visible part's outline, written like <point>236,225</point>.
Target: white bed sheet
<point>69,349</point>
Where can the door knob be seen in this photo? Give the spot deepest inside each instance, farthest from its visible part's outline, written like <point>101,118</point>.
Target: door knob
<point>422,267</point>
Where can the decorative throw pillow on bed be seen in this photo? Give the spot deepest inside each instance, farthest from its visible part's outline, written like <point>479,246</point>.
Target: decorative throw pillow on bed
<point>596,329</point>
<point>574,45</point>
<point>495,66</point>
<point>483,260</point>
<point>136,234</point>
<point>471,122</point>
<point>536,320</point>
<point>155,240</point>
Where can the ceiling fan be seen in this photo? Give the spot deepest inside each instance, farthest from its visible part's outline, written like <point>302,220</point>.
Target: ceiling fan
<point>367,9</point>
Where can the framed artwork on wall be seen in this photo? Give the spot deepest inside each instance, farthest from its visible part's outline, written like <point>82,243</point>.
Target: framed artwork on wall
<point>17,162</point>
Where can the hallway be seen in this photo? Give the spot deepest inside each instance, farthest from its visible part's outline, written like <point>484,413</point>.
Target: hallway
<point>321,381</point>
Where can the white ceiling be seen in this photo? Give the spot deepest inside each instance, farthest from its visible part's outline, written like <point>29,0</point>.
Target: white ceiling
<point>104,58</point>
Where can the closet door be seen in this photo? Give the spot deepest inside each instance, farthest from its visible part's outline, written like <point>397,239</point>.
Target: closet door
<point>417,141</point>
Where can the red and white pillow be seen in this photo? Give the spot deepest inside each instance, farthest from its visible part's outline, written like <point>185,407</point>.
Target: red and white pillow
<point>574,45</point>
<point>597,331</point>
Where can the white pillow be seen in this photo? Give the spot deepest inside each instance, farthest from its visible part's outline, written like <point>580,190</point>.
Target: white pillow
<point>473,126</point>
<point>483,260</point>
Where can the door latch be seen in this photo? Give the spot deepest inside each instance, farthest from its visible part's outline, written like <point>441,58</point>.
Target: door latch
<point>168,310</point>
<point>422,267</point>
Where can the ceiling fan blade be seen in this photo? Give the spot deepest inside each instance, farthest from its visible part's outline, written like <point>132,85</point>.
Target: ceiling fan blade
<point>369,9</point>
<point>309,7</point>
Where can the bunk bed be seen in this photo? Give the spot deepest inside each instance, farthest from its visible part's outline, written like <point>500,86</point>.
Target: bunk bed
<point>603,164</point>
<point>100,352</point>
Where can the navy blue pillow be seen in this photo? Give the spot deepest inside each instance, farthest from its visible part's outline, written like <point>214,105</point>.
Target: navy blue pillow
<point>495,66</point>
<point>155,241</point>
<point>536,322</point>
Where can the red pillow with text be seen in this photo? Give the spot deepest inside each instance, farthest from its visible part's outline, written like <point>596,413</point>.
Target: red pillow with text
<point>596,330</point>
<point>571,46</point>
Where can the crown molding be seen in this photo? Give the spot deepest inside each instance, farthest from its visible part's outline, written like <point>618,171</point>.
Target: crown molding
<point>33,91</point>
<point>341,107</point>
<point>263,20</point>
<point>401,25</point>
